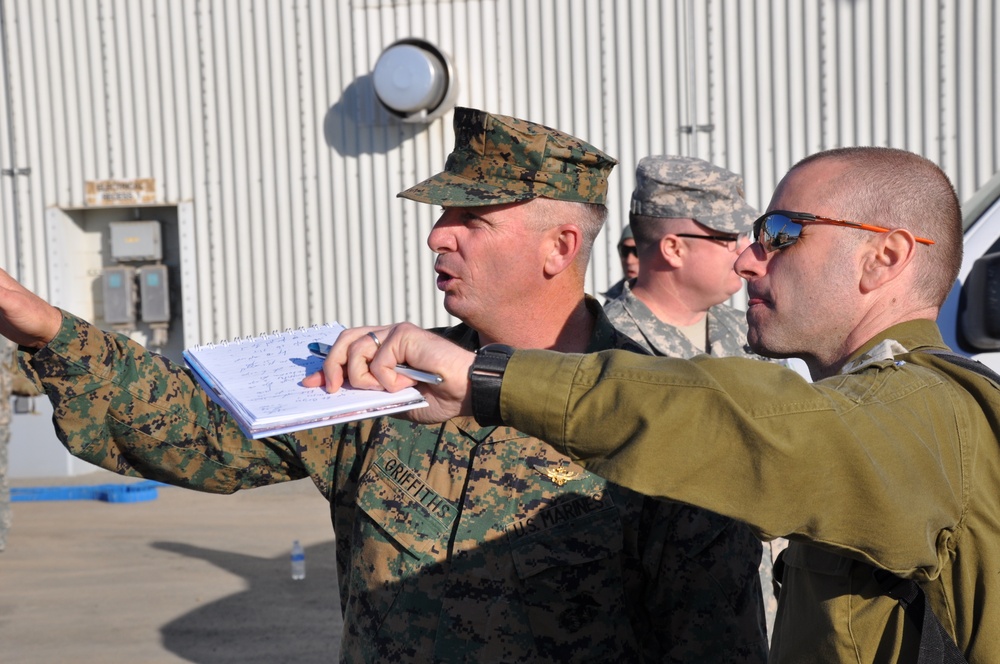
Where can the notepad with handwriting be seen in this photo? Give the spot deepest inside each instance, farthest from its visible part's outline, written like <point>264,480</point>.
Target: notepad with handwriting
<point>258,380</point>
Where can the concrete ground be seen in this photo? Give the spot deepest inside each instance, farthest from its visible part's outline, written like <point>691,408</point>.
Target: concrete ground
<point>188,577</point>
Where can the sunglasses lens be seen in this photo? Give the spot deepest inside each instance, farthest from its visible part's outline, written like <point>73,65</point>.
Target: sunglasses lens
<point>625,251</point>
<point>776,231</point>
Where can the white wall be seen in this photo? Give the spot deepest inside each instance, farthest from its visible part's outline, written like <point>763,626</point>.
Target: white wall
<point>257,119</point>
<point>261,115</point>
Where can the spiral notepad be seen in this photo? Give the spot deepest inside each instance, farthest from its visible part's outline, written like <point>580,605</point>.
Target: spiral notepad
<point>258,380</point>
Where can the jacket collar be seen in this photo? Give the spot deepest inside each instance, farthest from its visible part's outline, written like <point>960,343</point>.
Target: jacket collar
<point>896,340</point>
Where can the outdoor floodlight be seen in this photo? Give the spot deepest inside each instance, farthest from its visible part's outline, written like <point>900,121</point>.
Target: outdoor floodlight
<point>414,80</point>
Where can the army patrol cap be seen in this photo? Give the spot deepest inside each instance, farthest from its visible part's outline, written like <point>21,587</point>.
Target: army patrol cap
<point>691,188</point>
<point>626,235</point>
<point>499,159</point>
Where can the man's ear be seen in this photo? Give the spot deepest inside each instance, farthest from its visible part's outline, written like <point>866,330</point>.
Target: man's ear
<point>886,258</point>
<point>672,250</point>
<point>563,244</point>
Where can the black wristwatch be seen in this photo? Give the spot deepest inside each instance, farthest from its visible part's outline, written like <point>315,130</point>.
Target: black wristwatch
<point>486,376</point>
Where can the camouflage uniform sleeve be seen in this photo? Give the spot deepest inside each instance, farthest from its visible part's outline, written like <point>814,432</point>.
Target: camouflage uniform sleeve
<point>134,412</point>
<point>24,382</point>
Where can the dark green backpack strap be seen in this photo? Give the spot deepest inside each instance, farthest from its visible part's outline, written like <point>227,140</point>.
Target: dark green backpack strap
<point>966,363</point>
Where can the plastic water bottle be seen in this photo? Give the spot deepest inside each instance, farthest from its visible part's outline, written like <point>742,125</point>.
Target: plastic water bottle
<point>298,561</point>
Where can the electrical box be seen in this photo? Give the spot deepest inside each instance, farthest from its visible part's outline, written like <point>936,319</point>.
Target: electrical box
<point>154,294</point>
<point>119,295</point>
<point>135,241</point>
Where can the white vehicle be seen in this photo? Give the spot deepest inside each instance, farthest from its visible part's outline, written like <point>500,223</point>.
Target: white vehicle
<point>970,318</point>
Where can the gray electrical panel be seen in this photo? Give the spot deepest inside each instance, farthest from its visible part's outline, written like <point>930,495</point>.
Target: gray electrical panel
<point>154,294</point>
<point>119,295</point>
<point>136,241</point>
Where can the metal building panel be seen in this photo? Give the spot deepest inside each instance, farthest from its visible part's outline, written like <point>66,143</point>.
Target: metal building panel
<point>50,107</point>
<point>59,109</point>
<point>986,44</point>
<point>375,267</point>
<point>10,231</point>
<point>258,117</point>
<point>32,172</point>
<point>592,120</point>
<point>87,73</point>
<point>223,128</point>
<point>699,38</point>
<point>191,311</point>
<point>340,121</point>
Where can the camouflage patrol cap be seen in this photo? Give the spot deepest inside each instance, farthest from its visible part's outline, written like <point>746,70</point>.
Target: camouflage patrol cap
<point>499,159</point>
<point>626,235</point>
<point>691,188</point>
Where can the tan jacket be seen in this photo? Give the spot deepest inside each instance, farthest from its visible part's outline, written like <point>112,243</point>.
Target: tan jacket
<point>895,463</point>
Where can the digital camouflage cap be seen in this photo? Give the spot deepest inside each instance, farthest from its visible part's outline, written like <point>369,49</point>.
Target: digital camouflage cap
<point>627,234</point>
<point>499,159</point>
<point>691,188</point>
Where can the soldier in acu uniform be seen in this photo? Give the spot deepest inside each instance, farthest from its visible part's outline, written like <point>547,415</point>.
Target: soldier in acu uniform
<point>690,221</point>
<point>455,542</point>
<point>629,258</point>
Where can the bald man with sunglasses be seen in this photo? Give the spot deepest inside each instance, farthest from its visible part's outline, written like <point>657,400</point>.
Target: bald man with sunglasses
<point>883,472</point>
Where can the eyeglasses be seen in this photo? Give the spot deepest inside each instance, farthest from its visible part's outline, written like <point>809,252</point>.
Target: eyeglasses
<point>730,240</point>
<point>627,250</point>
<point>780,229</point>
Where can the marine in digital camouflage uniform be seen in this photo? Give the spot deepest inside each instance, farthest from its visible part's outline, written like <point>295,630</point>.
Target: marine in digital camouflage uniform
<point>454,542</point>
<point>694,190</point>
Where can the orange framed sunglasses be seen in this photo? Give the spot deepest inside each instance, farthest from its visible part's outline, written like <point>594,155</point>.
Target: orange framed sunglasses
<point>780,229</point>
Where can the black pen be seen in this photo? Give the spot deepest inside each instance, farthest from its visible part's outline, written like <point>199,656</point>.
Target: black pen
<point>321,349</point>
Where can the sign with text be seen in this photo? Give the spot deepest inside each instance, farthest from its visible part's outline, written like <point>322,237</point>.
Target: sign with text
<point>133,191</point>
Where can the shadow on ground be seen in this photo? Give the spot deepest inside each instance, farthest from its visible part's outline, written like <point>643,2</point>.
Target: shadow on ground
<point>274,620</point>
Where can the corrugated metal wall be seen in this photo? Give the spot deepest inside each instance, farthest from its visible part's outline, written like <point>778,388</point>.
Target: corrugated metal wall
<point>260,115</point>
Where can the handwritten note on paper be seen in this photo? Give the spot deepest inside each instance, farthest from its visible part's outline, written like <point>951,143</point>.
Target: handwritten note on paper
<point>258,380</point>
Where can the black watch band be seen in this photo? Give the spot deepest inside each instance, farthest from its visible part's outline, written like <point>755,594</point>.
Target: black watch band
<point>486,376</point>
